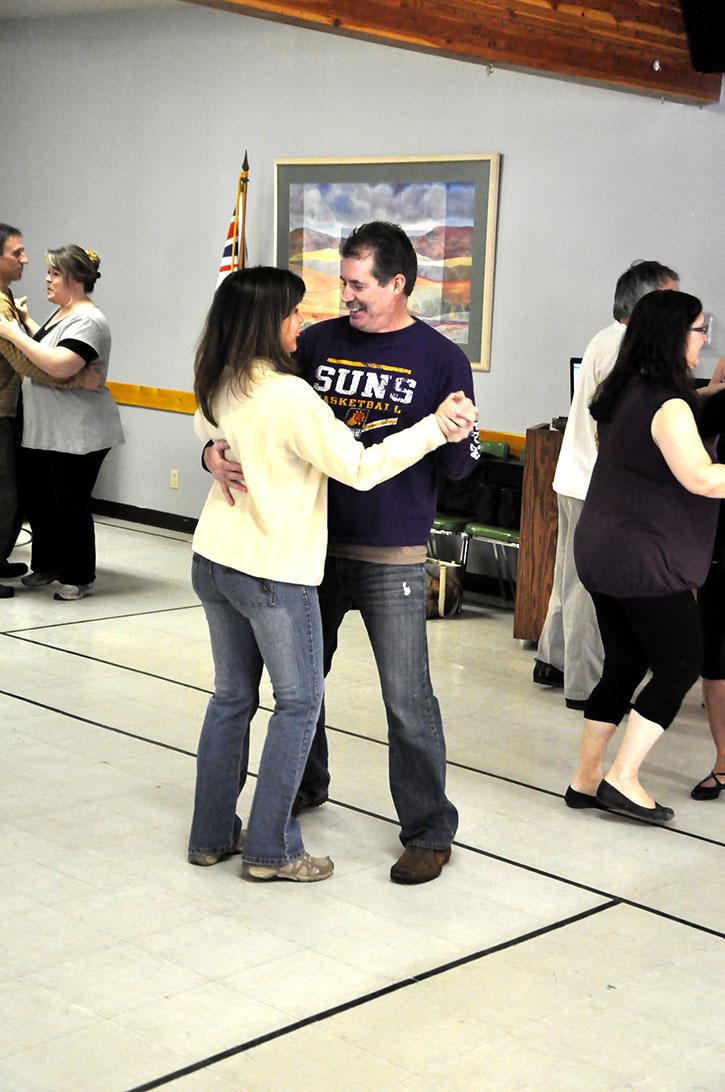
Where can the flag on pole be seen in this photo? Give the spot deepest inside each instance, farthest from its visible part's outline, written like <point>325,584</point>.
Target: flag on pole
<point>234,255</point>
<point>230,247</point>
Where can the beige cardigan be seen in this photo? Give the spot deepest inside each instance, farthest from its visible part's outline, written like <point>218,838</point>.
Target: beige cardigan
<point>289,442</point>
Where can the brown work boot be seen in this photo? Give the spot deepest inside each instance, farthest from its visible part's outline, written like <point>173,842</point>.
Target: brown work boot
<point>418,865</point>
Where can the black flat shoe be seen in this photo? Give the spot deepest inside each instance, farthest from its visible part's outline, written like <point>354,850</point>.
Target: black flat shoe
<point>614,800</point>
<point>710,792</point>
<point>547,674</point>
<point>574,799</point>
<point>6,592</point>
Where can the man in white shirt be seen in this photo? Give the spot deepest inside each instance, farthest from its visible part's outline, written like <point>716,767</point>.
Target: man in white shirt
<point>570,650</point>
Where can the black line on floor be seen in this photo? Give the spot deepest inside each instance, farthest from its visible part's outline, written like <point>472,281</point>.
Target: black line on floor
<point>393,822</point>
<point>98,724</point>
<point>106,618</point>
<point>365,999</point>
<point>17,634</point>
<point>586,887</point>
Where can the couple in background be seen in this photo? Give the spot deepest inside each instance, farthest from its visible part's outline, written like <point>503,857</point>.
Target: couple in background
<point>69,419</point>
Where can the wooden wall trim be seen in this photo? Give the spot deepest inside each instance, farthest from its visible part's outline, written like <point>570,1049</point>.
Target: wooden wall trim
<point>615,43</point>
<point>160,398</point>
<point>155,398</point>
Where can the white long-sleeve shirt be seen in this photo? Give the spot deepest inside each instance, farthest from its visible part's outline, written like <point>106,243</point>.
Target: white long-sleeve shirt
<point>579,446</point>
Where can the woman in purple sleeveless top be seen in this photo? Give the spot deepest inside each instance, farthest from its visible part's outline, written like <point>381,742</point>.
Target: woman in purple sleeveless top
<point>643,542</point>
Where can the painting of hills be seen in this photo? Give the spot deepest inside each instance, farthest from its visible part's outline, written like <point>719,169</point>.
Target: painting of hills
<point>437,216</point>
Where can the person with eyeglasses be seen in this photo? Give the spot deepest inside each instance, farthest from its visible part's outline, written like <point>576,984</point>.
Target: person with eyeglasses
<point>643,542</point>
<point>569,652</point>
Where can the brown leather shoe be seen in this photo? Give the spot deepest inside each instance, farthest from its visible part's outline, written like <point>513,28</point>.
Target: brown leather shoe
<point>418,865</point>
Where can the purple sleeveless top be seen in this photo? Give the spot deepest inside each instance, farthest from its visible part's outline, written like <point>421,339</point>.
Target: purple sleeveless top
<point>641,533</point>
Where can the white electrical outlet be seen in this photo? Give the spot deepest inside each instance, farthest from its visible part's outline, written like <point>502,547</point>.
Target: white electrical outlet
<point>173,479</point>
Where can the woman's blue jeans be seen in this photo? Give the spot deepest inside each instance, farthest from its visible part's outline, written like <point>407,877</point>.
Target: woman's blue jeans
<point>255,622</point>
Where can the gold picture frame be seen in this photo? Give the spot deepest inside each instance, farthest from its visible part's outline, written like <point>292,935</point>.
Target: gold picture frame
<point>448,206</point>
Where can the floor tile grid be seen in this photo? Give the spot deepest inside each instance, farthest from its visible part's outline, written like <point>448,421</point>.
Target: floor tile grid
<point>388,819</point>
<point>385,991</point>
<point>417,977</point>
<point>451,763</point>
<point>362,811</point>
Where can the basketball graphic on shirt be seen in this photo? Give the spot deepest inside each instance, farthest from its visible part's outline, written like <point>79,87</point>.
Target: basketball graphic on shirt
<point>355,419</point>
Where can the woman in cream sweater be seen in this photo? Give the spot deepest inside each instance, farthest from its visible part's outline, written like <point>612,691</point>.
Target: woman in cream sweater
<point>256,565</point>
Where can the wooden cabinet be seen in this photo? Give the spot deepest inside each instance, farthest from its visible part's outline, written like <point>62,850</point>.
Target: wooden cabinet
<point>539,524</point>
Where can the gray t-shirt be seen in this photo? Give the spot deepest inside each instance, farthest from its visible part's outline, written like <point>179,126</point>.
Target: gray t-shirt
<point>73,421</point>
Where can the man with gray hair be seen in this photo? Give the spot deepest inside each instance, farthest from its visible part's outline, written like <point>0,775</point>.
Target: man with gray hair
<point>570,649</point>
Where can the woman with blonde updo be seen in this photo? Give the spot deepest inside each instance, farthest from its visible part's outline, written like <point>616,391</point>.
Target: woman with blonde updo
<point>66,433</point>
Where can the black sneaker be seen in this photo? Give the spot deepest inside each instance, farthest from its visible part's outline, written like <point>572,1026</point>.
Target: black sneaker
<point>304,801</point>
<point>547,675</point>
<point>10,569</point>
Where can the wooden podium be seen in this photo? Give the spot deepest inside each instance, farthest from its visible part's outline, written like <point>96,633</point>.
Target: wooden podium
<point>539,524</point>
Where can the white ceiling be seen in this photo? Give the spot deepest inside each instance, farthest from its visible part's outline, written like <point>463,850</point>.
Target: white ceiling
<point>17,9</point>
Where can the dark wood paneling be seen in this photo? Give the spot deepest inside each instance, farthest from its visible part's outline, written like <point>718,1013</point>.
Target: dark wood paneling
<point>539,525</point>
<point>619,43</point>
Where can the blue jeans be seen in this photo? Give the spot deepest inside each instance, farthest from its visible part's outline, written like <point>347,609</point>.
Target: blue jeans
<point>254,622</point>
<point>391,600</point>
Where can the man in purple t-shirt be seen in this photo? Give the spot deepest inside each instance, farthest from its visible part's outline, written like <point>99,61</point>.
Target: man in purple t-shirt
<point>380,370</point>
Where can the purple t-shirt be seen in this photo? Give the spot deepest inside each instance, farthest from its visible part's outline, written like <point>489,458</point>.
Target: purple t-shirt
<point>379,384</point>
<point>640,533</point>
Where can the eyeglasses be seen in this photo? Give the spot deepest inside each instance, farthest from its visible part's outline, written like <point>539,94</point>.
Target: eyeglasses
<point>699,330</point>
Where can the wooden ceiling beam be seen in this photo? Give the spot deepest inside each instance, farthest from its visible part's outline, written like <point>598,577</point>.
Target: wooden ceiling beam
<point>634,45</point>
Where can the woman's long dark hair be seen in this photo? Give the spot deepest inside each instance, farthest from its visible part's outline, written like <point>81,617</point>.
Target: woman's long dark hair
<point>653,350</point>
<point>243,324</point>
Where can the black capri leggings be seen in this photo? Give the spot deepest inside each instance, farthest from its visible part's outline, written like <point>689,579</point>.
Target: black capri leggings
<point>660,633</point>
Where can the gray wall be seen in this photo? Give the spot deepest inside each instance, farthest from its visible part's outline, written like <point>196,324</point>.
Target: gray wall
<point>124,132</point>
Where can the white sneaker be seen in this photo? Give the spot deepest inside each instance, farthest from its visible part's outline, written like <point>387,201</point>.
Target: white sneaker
<point>72,591</point>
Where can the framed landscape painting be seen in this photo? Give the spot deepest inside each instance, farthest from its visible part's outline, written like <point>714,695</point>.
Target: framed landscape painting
<point>446,204</point>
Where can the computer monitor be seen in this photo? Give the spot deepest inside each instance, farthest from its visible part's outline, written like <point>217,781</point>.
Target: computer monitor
<point>575,363</point>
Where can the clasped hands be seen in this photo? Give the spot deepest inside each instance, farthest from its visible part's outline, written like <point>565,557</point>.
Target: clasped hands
<point>456,416</point>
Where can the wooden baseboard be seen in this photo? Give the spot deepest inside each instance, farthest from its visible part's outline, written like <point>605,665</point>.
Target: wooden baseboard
<point>148,516</point>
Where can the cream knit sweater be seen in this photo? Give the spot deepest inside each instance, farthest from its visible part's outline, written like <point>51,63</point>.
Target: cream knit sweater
<point>289,442</point>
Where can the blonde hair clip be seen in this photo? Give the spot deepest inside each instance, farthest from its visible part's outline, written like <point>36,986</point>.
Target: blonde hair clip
<point>93,256</point>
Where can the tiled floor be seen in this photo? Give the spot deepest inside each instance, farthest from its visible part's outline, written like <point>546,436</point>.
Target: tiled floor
<point>559,950</point>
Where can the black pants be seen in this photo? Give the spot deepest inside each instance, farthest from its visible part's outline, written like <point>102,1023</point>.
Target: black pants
<point>9,500</point>
<point>661,634</point>
<point>57,490</point>
<point>711,601</point>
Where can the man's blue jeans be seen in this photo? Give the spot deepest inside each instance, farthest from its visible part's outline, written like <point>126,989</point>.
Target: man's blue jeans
<point>254,622</point>
<point>391,600</point>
